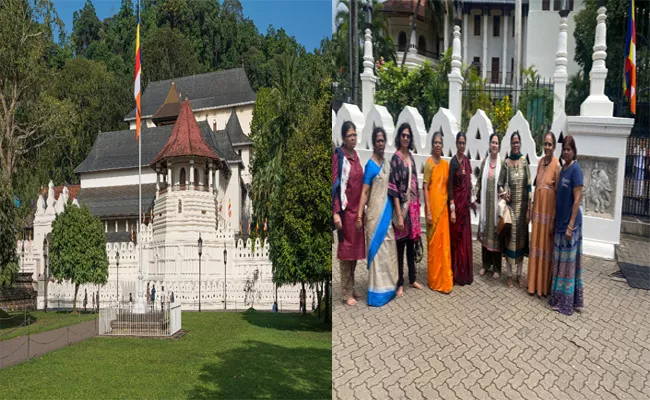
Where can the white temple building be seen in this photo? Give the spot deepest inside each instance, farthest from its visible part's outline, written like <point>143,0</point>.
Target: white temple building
<point>196,180</point>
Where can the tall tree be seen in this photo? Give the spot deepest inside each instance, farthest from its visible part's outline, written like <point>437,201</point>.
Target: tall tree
<point>28,116</point>
<point>78,249</point>
<point>168,54</point>
<point>8,256</point>
<point>86,28</point>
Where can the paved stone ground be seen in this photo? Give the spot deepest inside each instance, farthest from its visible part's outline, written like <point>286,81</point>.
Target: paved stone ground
<point>634,250</point>
<point>486,341</point>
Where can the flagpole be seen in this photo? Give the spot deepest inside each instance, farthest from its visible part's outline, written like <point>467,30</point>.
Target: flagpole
<point>140,301</point>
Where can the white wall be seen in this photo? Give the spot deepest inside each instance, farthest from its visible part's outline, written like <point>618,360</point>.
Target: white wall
<point>118,177</point>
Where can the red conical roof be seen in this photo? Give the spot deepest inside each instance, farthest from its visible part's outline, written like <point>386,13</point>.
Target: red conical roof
<point>186,139</point>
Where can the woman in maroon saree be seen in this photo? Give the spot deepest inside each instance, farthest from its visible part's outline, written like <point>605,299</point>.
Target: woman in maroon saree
<point>460,229</point>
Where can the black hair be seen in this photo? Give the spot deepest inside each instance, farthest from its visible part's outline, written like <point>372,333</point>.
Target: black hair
<point>376,131</point>
<point>346,127</point>
<point>552,137</point>
<point>493,135</point>
<point>459,135</point>
<point>513,135</point>
<point>570,141</point>
<point>402,127</point>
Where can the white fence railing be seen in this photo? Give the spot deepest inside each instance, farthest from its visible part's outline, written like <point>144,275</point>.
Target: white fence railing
<point>158,319</point>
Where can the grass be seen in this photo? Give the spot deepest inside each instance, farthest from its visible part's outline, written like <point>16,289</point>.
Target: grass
<point>39,321</point>
<point>224,355</point>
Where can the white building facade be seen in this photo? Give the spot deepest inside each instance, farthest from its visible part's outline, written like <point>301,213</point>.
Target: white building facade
<point>185,195</point>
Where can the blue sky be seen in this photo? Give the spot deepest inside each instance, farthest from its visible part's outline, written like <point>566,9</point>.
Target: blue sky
<point>308,20</point>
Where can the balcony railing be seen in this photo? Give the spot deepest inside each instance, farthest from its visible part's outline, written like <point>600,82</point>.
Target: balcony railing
<point>176,188</point>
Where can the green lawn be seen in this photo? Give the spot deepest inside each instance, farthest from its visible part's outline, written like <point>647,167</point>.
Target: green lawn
<point>39,321</point>
<point>224,355</point>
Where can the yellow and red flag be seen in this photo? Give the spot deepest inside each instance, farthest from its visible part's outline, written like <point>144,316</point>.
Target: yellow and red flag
<point>629,82</point>
<point>136,78</point>
<point>229,209</point>
<point>265,221</point>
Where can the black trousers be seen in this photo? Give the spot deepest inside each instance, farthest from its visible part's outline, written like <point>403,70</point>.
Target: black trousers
<point>410,259</point>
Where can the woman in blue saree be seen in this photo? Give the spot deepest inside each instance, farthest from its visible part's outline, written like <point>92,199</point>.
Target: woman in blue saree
<point>380,238</point>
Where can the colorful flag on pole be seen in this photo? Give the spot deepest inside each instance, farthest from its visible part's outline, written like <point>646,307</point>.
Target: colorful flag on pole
<point>629,82</point>
<point>249,226</point>
<point>257,227</point>
<point>265,221</point>
<point>136,78</point>
<point>229,209</point>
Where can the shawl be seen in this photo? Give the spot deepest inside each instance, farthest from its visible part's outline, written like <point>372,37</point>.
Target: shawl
<point>484,180</point>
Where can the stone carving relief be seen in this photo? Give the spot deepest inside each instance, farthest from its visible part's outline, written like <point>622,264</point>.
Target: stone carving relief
<point>599,192</point>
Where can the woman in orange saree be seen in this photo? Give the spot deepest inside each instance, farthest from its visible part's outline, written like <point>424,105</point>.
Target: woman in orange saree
<point>436,175</point>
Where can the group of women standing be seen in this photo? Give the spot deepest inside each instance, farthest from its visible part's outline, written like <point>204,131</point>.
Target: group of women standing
<point>387,194</point>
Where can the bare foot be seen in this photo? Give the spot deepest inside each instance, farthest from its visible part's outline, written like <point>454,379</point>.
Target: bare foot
<point>351,302</point>
<point>496,275</point>
<point>510,285</point>
<point>416,285</point>
<point>400,291</point>
<point>520,282</point>
<point>481,272</point>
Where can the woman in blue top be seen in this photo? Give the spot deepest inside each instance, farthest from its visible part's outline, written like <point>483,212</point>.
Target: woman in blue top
<point>380,238</point>
<point>567,287</point>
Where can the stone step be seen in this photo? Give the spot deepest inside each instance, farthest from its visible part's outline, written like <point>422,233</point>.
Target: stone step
<point>636,226</point>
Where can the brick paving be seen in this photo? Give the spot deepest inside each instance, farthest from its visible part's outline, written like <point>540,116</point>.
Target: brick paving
<point>634,250</point>
<point>486,341</point>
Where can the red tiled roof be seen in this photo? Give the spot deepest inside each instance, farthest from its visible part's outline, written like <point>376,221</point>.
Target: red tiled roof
<point>186,139</point>
<point>404,6</point>
<point>73,190</point>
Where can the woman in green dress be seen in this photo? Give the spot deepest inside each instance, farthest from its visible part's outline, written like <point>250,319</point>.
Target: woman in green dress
<point>515,187</point>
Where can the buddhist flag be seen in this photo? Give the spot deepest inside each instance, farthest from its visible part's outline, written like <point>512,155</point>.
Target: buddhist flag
<point>249,226</point>
<point>629,82</point>
<point>265,220</point>
<point>229,209</point>
<point>136,79</point>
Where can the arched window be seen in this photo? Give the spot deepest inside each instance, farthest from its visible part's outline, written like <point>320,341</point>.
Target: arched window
<point>401,41</point>
<point>180,206</point>
<point>182,179</point>
<point>422,45</point>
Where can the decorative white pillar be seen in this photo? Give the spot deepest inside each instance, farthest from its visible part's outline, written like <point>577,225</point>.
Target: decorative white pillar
<point>191,175</point>
<point>504,63</point>
<point>127,225</point>
<point>445,42</point>
<point>157,181</point>
<point>597,104</point>
<point>465,23</point>
<point>105,226</point>
<point>116,230</point>
<point>560,76</point>
<point>368,78</point>
<point>484,62</point>
<point>456,78</point>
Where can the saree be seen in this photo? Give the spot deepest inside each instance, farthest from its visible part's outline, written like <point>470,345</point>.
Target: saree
<point>380,238</point>
<point>543,219</point>
<point>461,232</point>
<point>517,178</point>
<point>440,277</point>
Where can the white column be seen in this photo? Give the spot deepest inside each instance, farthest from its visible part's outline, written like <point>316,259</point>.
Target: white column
<point>127,225</point>
<point>116,230</point>
<point>517,27</point>
<point>486,14</point>
<point>170,182</point>
<point>445,43</point>
<point>191,175</point>
<point>560,76</point>
<point>210,177</point>
<point>368,77</point>
<point>504,62</point>
<point>106,226</point>
<point>413,44</point>
<point>157,181</point>
<point>597,104</point>
<point>465,23</point>
<point>456,78</point>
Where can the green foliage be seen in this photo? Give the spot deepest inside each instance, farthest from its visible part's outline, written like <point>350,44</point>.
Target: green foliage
<point>577,93</point>
<point>86,28</point>
<point>426,88</point>
<point>8,256</point>
<point>78,248</point>
<point>300,241</point>
<point>536,104</point>
<point>167,53</point>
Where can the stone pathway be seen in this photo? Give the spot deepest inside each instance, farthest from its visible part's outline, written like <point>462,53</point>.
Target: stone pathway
<point>486,341</point>
<point>634,250</point>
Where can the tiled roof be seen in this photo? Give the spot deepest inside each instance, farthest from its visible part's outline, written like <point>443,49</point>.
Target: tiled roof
<point>206,91</point>
<point>117,201</point>
<point>237,135</point>
<point>186,139</point>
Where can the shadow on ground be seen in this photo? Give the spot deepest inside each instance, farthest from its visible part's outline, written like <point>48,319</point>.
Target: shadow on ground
<point>262,370</point>
<point>286,321</point>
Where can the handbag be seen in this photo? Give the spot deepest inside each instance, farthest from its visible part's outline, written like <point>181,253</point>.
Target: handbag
<point>505,219</point>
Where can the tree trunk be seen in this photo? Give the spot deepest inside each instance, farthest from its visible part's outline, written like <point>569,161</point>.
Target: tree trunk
<point>74,303</point>
<point>327,302</point>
